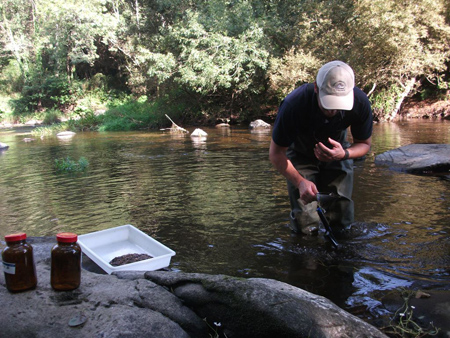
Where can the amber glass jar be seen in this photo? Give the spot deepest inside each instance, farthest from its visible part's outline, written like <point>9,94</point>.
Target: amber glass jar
<point>18,263</point>
<point>65,262</point>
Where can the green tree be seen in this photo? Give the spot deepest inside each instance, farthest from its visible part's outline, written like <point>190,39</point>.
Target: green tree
<point>69,32</point>
<point>291,70</point>
<point>210,61</point>
<point>17,28</point>
<point>388,43</point>
<point>207,63</point>
<point>412,45</point>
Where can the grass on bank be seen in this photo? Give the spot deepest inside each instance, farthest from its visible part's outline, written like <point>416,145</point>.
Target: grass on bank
<point>133,115</point>
<point>118,116</point>
<point>83,105</point>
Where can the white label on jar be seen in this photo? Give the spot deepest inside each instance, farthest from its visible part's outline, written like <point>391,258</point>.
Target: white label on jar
<point>9,268</point>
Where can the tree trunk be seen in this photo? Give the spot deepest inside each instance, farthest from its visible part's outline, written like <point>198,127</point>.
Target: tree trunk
<point>406,90</point>
<point>68,59</point>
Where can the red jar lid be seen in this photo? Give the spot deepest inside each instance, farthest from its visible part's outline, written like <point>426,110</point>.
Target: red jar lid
<point>66,237</point>
<point>16,237</point>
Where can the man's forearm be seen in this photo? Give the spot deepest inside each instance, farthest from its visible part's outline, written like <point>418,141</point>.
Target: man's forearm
<point>359,148</point>
<point>288,170</point>
<point>283,165</point>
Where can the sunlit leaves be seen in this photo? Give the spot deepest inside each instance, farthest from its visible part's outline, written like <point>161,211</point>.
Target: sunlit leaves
<point>208,60</point>
<point>161,65</point>
<point>289,72</point>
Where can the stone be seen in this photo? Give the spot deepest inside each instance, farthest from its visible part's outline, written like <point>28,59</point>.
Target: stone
<point>66,134</point>
<point>199,133</point>
<point>417,158</point>
<point>32,123</point>
<point>259,124</point>
<point>170,304</point>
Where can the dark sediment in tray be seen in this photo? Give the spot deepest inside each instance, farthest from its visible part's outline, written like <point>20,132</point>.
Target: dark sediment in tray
<point>129,258</point>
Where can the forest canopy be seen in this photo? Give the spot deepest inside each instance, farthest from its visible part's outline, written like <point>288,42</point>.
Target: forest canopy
<point>215,59</point>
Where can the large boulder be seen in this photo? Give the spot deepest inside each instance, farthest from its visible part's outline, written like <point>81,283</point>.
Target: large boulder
<point>258,307</point>
<point>418,158</point>
<point>170,304</point>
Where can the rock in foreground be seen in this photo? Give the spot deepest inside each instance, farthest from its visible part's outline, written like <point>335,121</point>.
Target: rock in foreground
<point>170,304</point>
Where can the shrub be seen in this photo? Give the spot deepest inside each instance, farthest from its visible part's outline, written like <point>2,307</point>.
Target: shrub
<point>51,92</point>
<point>385,100</point>
<point>11,80</point>
<point>52,116</point>
<point>87,121</point>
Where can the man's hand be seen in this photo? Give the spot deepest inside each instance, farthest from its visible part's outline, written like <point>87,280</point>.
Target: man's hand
<point>308,191</point>
<point>325,154</point>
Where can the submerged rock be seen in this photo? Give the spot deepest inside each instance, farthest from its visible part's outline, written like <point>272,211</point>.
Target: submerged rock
<point>65,134</point>
<point>418,158</point>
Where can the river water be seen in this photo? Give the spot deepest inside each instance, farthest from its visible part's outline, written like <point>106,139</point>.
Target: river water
<point>222,207</point>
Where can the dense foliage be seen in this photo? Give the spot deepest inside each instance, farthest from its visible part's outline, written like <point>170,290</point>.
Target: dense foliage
<point>205,60</point>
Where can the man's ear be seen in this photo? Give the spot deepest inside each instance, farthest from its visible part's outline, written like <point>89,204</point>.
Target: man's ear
<point>316,90</point>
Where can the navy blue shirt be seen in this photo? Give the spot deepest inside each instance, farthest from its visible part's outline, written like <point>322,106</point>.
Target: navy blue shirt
<point>300,123</point>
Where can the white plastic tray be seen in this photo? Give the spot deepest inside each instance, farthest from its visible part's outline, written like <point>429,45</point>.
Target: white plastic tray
<point>104,245</point>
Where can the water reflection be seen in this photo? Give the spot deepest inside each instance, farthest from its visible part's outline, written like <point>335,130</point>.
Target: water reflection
<point>261,134</point>
<point>368,281</point>
<point>199,142</point>
<point>224,130</point>
<point>222,207</point>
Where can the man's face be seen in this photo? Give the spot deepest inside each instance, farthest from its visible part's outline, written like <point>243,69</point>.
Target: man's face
<point>327,112</point>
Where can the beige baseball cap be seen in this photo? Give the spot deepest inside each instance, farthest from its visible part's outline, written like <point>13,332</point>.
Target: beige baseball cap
<point>335,81</point>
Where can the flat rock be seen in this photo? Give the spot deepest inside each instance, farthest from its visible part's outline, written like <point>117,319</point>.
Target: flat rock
<point>418,158</point>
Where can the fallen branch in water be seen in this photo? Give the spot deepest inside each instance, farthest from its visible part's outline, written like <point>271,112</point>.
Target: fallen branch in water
<point>175,128</point>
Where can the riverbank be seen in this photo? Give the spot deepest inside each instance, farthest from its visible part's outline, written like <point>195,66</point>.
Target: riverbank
<point>437,109</point>
<point>411,109</point>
